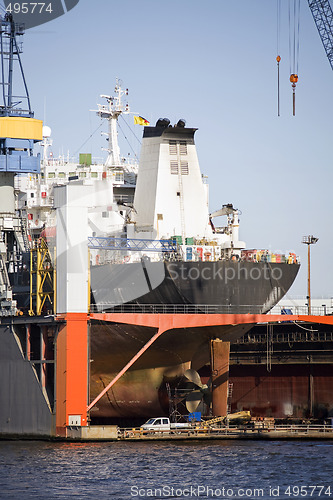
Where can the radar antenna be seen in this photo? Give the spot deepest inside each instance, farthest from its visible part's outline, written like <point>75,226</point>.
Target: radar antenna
<point>111,112</point>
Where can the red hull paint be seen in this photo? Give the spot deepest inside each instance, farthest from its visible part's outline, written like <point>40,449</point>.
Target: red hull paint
<point>298,391</point>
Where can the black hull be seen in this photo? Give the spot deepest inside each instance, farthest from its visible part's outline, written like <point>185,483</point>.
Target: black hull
<point>233,285</point>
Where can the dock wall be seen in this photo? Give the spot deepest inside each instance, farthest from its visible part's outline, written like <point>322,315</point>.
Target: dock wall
<point>24,410</point>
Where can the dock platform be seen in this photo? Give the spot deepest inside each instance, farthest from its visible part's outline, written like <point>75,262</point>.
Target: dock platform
<point>275,432</point>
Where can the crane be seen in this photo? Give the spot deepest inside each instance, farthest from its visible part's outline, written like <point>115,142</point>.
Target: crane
<point>323,16</point>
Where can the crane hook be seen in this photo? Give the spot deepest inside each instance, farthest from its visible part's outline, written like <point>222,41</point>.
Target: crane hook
<point>293,80</point>
<point>278,59</point>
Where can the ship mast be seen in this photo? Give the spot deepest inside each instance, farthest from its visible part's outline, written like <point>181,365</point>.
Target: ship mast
<point>111,111</point>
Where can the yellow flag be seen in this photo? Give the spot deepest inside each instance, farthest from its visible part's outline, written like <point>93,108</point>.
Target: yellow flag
<point>138,120</point>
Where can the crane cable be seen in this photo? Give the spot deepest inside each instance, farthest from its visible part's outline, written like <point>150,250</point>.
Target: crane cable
<point>294,28</point>
<point>278,57</point>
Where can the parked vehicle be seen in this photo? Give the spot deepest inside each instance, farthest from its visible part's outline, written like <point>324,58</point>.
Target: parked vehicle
<point>161,424</point>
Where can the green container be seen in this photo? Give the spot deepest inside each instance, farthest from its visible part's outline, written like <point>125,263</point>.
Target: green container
<point>85,159</point>
<point>177,239</point>
<point>189,241</point>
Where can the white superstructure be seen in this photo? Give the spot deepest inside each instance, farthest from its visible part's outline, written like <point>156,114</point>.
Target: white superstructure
<point>171,197</point>
<point>116,176</point>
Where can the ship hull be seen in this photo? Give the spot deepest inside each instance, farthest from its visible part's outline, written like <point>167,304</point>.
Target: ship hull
<point>141,392</point>
<point>230,285</point>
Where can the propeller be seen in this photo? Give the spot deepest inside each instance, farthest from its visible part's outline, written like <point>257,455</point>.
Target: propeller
<point>201,393</point>
<point>193,376</point>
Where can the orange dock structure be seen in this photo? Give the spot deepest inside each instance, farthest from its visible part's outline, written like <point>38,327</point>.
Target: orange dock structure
<point>72,354</point>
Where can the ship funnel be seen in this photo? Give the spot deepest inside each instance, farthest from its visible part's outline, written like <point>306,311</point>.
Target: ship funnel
<point>181,123</point>
<point>163,122</point>
<point>170,196</point>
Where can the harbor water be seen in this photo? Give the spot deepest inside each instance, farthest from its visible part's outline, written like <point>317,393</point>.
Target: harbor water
<point>120,470</point>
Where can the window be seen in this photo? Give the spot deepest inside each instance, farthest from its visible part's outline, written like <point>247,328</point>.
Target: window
<point>183,148</point>
<point>176,147</point>
<point>174,167</point>
<point>173,147</point>
<point>94,175</point>
<point>83,175</point>
<point>51,175</point>
<point>119,177</point>
<point>184,167</point>
<point>62,175</point>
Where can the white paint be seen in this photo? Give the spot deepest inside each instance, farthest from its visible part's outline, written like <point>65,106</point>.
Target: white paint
<point>170,204</point>
<point>72,203</point>
<point>7,198</point>
<point>74,420</point>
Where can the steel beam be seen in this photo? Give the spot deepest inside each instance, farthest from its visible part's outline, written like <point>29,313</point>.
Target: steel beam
<point>200,320</point>
<point>219,362</point>
<point>71,371</point>
<point>124,370</point>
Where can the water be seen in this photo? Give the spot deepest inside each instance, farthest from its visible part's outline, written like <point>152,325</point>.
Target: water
<point>245,469</point>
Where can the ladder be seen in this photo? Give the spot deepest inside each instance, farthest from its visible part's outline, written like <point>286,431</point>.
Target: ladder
<point>22,236</point>
<point>230,391</point>
<point>181,194</point>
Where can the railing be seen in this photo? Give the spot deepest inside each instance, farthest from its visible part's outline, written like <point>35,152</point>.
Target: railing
<point>302,428</point>
<point>190,309</point>
<point>302,310</point>
<point>242,430</point>
<point>290,337</point>
<point>124,198</point>
<point>175,308</point>
<point>130,245</point>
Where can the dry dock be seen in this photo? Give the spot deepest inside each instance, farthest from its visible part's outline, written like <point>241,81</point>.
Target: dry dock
<point>274,432</point>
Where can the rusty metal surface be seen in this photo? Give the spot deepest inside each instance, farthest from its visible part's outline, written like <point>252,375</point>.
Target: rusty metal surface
<point>301,391</point>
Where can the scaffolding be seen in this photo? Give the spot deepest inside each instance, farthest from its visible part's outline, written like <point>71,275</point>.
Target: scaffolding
<point>42,280</point>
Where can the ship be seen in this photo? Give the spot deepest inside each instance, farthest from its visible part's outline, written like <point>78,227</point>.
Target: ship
<point>169,255</point>
<point>174,258</point>
<point>162,252</point>
<point>173,253</point>
<point>36,191</point>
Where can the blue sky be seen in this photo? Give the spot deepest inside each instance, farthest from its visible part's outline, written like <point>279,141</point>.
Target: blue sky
<point>212,63</point>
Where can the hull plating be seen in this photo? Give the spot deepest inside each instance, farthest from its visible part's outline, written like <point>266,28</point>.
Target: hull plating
<point>139,392</point>
<point>228,284</point>
<point>221,283</point>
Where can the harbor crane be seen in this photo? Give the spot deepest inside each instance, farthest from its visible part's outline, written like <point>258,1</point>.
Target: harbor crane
<point>323,17</point>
